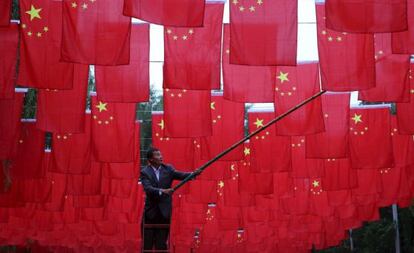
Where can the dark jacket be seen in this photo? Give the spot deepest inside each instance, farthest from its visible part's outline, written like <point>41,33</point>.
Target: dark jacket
<point>152,187</point>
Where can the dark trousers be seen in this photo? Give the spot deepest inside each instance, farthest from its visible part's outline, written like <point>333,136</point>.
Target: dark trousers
<point>155,236</point>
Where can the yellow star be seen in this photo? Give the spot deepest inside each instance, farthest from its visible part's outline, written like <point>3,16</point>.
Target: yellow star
<point>46,29</point>
<point>357,118</point>
<point>259,2</point>
<point>102,106</point>
<point>74,5</point>
<point>330,38</point>
<point>185,37</point>
<point>246,151</point>
<point>315,183</point>
<point>283,77</point>
<point>252,8</point>
<point>339,38</point>
<point>84,6</point>
<point>39,34</point>
<point>169,31</point>
<point>241,8</point>
<point>221,184</point>
<point>235,2</point>
<point>213,105</point>
<point>161,124</point>
<point>191,31</point>
<point>92,1</point>
<point>175,37</point>
<point>258,123</point>
<point>34,13</point>
<point>24,26</point>
<point>29,33</point>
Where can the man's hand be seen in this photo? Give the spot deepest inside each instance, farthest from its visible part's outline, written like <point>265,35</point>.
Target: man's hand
<point>168,191</point>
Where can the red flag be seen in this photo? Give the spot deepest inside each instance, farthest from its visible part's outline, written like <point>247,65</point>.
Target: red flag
<point>41,32</point>
<point>402,42</point>
<point>338,175</point>
<point>238,79</point>
<point>302,167</point>
<point>10,113</point>
<point>370,143</point>
<point>63,111</point>
<point>9,38</point>
<point>226,115</point>
<point>87,184</point>
<point>165,12</point>
<point>192,55</point>
<point>403,146</point>
<point>269,153</point>
<point>369,187</point>
<point>333,143</point>
<point>366,16</point>
<point>128,83</point>
<point>263,33</point>
<point>5,9</point>
<point>113,131</point>
<point>187,113</point>
<point>347,60</point>
<point>391,72</point>
<point>405,111</point>
<point>95,32</point>
<point>293,85</point>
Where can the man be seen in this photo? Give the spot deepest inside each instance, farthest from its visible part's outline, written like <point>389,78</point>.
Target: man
<point>156,178</point>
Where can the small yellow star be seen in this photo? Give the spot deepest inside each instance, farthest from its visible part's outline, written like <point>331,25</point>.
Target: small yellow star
<point>46,29</point>
<point>102,106</point>
<point>24,26</point>
<point>191,31</point>
<point>251,9</point>
<point>39,34</point>
<point>161,124</point>
<point>175,37</point>
<point>241,8</point>
<point>259,2</point>
<point>258,122</point>
<point>221,184</point>
<point>169,31</point>
<point>92,1</point>
<point>246,151</point>
<point>227,51</point>
<point>74,5</point>
<point>283,76</point>
<point>34,13</point>
<point>357,118</point>
<point>315,183</point>
<point>29,33</point>
<point>84,6</point>
<point>185,37</point>
<point>213,105</point>
<point>330,38</point>
<point>339,38</point>
<point>235,2</point>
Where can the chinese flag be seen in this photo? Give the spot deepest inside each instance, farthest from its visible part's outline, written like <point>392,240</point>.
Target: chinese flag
<point>391,74</point>
<point>40,46</point>
<point>63,111</point>
<point>263,32</point>
<point>71,153</point>
<point>184,13</point>
<point>129,83</point>
<point>87,184</point>
<point>292,86</point>
<point>405,111</point>
<point>269,153</point>
<point>10,113</point>
<point>403,146</point>
<point>302,167</point>
<point>228,128</point>
<point>347,60</point>
<point>369,187</point>
<point>370,143</point>
<point>9,38</point>
<point>95,32</point>
<point>245,83</point>
<point>113,131</point>
<point>333,143</point>
<point>360,16</point>
<point>5,9</point>
<point>192,55</point>
<point>187,113</point>
<point>402,42</point>
<point>338,175</point>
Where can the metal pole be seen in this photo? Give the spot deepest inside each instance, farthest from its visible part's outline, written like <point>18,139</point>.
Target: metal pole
<point>204,166</point>
<point>351,241</point>
<point>396,227</point>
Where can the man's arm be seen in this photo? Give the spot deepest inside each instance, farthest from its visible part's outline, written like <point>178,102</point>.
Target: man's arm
<point>148,188</point>
<point>179,175</point>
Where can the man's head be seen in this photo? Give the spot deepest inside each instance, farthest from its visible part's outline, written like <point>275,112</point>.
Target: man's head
<point>154,156</point>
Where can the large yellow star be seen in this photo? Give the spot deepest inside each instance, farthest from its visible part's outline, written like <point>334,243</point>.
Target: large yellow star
<point>246,151</point>
<point>213,105</point>
<point>357,118</point>
<point>283,76</point>
<point>315,183</point>
<point>34,13</point>
<point>102,106</point>
<point>161,124</point>
<point>258,122</point>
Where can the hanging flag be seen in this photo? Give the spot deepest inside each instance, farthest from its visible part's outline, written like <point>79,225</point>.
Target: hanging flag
<point>9,38</point>
<point>182,13</point>
<point>370,143</point>
<point>10,113</point>
<point>402,42</point>
<point>292,86</point>
<point>347,60</point>
<point>63,111</point>
<point>87,184</point>
<point>263,32</point>
<point>338,175</point>
<point>225,115</point>
<point>113,131</point>
<point>41,31</point>
<point>403,146</point>
<point>95,32</point>
<point>361,16</point>
<point>5,9</point>
<point>301,166</point>
<point>129,83</point>
<point>192,55</point>
<point>333,143</point>
<point>187,113</point>
<point>405,111</point>
<point>391,74</point>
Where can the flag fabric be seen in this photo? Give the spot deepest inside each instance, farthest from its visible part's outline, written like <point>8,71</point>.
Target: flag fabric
<point>226,115</point>
<point>10,112</point>
<point>405,111</point>
<point>263,33</point>
<point>113,131</point>
<point>63,111</point>
<point>192,55</point>
<point>391,74</point>
<point>5,9</point>
<point>87,184</point>
<point>347,60</point>
<point>187,113</point>
<point>403,146</point>
<point>402,41</point>
<point>182,13</point>
<point>41,31</point>
<point>9,38</point>
<point>338,175</point>
<point>95,32</point>
<point>292,86</point>
<point>370,143</point>
<point>361,16</point>
<point>301,166</point>
<point>333,143</point>
<point>129,83</point>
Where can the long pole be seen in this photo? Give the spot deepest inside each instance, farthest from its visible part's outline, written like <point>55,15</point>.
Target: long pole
<point>396,227</point>
<point>351,241</point>
<point>235,145</point>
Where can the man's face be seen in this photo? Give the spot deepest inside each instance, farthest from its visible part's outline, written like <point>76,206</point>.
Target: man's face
<point>156,159</point>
